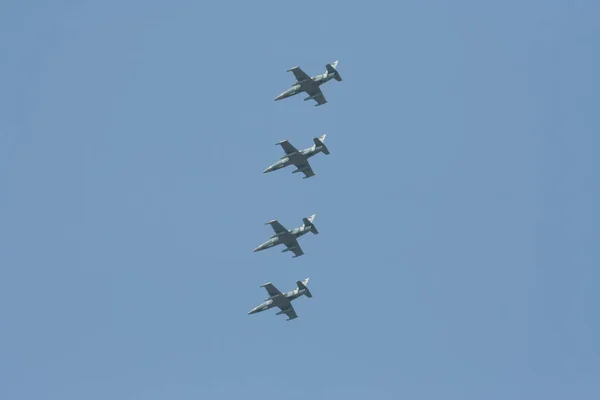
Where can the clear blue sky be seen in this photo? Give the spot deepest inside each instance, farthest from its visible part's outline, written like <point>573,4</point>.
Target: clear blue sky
<point>458,251</point>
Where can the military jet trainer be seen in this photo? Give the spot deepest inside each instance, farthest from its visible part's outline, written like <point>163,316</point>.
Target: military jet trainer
<point>299,158</point>
<point>305,83</point>
<point>282,300</point>
<point>289,237</point>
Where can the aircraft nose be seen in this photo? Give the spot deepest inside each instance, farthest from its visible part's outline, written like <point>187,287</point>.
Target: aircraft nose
<point>259,248</point>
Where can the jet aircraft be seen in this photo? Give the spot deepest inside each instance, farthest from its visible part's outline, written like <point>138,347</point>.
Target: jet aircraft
<point>289,237</point>
<point>310,85</point>
<point>299,158</point>
<point>282,300</point>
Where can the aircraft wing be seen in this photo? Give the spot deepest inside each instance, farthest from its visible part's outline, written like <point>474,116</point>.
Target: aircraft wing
<point>287,147</point>
<point>305,169</point>
<point>295,248</point>
<point>299,74</point>
<point>271,289</point>
<point>317,95</point>
<point>289,311</point>
<point>277,227</point>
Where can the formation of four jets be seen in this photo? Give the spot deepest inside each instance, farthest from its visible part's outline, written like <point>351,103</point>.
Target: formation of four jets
<point>298,158</point>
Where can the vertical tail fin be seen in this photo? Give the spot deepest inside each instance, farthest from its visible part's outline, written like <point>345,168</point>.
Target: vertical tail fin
<point>332,69</point>
<point>319,143</point>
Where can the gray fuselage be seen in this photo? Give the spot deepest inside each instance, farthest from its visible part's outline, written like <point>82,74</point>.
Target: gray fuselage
<point>282,238</point>
<point>295,158</point>
<point>279,300</point>
<point>306,85</point>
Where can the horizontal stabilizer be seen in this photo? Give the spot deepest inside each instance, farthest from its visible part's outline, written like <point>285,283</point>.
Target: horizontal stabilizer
<point>332,69</point>
<point>308,222</point>
<point>302,286</point>
<point>319,144</point>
